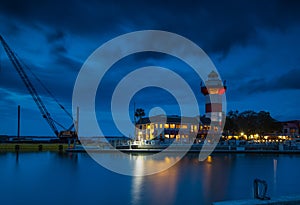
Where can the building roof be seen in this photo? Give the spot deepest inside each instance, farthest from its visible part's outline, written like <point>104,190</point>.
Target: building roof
<point>213,74</point>
<point>170,119</point>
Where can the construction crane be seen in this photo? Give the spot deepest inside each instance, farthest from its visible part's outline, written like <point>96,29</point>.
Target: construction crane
<point>65,134</point>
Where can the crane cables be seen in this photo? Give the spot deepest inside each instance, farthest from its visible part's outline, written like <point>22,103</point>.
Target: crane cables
<point>0,63</point>
<point>46,89</point>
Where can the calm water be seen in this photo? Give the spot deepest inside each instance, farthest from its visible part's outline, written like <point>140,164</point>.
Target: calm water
<point>52,178</point>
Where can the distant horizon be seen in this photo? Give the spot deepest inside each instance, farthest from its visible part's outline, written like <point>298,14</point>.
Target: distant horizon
<point>53,136</point>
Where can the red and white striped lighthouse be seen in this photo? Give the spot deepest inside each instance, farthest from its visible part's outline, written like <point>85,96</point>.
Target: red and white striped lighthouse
<point>213,91</point>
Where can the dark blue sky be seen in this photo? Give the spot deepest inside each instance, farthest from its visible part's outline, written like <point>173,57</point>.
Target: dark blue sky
<point>254,44</point>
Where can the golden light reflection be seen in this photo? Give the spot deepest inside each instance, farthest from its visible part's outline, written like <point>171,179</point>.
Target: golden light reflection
<point>167,160</point>
<point>165,181</point>
<point>209,159</point>
<point>275,173</point>
<point>137,181</point>
<point>162,181</point>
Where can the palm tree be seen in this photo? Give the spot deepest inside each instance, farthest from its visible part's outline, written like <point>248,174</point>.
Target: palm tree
<point>139,113</point>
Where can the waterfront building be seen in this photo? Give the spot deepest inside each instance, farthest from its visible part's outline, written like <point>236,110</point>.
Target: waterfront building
<point>171,127</point>
<point>291,128</point>
<point>167,128</point>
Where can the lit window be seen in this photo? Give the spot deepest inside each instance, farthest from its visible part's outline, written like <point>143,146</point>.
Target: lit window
<point>166,125</point>
<point>172,126</point>
<point>177,126</point>
<point>172,136</point>
<point>167,136</point>
<point>160,125</point>
<point>148,126</point>
<point>184,126</point>
<point>156,125</point>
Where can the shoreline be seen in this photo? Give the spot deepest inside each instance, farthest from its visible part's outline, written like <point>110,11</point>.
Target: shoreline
<point>190,151</point>
<point>36,146</point>
<point>64,147</point>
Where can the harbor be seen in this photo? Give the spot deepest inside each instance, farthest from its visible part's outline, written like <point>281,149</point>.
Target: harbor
<point>134,148</point>
<point>149,102</point>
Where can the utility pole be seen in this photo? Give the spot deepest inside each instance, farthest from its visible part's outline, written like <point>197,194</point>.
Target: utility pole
<point>19,121</point>
<point>134,114</point>
<point>77,121</point>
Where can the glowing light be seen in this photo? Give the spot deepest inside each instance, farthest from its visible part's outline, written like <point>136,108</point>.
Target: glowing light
<point>184,126</point>
<point>167,160</point>
<point>209,159</point>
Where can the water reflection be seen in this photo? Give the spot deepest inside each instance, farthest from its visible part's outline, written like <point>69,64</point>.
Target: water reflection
<point>161,187</point>
<point>198,180</point>
<point>56,178</point>
<point>137,181</point>
<point>17,157</point>
<point>275,174</point>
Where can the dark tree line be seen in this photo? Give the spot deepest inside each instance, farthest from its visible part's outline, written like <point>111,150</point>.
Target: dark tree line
<point>250,123</point>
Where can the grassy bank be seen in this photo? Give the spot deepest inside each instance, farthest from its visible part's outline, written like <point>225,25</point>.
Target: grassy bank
<point>32,147</point>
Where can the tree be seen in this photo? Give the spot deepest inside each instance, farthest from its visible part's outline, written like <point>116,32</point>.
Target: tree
<point>247,122</point>
<point>231,126</point>
<point>250,123</point>
<point>267,124</point>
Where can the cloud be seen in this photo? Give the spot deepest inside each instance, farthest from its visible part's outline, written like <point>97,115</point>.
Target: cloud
<point>287,81</point>
<point>55,37</point>
<point>215,25</point>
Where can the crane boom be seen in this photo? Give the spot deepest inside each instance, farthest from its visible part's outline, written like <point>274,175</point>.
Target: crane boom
<point>42,108</point>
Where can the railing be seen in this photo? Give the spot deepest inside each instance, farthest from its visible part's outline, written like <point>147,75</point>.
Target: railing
<point>260,189</point>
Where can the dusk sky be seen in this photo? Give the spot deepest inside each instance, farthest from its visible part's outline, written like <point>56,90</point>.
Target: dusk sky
<point>254,45</point>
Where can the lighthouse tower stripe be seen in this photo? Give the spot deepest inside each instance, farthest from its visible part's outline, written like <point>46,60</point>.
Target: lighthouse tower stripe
<point>213,99</point>
<point>213,107</point>
<point>213,103</point>
<point>213,92</point>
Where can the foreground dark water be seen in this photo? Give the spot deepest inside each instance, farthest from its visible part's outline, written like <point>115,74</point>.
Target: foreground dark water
<point>53,178</point>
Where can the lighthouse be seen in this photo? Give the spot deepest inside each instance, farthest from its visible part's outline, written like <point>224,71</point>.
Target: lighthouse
<point>213,91</point>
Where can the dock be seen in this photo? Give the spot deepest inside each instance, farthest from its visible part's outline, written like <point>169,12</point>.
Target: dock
<point>189,151</point>
<point>183,148</point>
<point>283,200</point>
<point>31,147</point>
